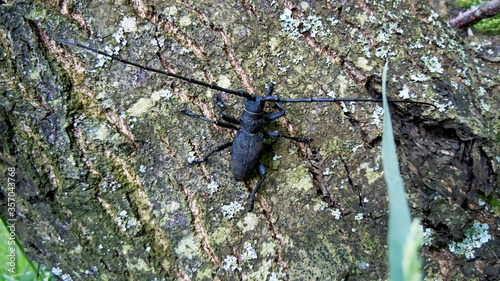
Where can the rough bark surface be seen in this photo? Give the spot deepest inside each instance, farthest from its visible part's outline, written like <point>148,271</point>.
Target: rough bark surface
<point>103,188</point>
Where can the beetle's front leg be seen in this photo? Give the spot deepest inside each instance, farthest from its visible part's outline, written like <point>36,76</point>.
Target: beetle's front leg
<point>218,123</point>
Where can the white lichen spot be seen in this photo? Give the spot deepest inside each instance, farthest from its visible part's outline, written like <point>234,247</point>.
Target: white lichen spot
<point>142,168</point>
<point>119,36</point>
<point>327,171</point>
<point>475,237</point>
<point>336,214</point>
<point>297,59</point>
<point>312,24</point>
<point>433,16</point>
<point>289,24</point>
<point>321,207</point>
<point>281,275</point>
<point>231,263</point>
<point>101,60</point>
<point>57,271</point>
<point>229,211</point>
<point>384,52</point>
<point>427,236</point>
<point>66,277</point>
<point>304,5</point>
<point>405,92</point>
<point>129,24</point>
<point>378,116</point>
<point>133,222</point>
<point>224,81</point>
<point>249,253</point>
<point>185,21</point>
<point>367,51</point>
<point>276,157</point>
<point>433,64</point>
<point>485,106</point>
<point>419,77</point>
<point>363,265</point>
<point>416,45</point>
<point>212,187</point>
<point>358,217</point>
<point>191,156</point>
<point>163,93</point>
<point>173,206</point>
<point>442,107</point>
<point>383,36</point>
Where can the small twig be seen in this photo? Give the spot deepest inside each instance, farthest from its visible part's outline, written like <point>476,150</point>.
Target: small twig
<point>475,14</point>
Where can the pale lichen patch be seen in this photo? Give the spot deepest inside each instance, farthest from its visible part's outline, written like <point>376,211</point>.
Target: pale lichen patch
<point>129,24</point>
<point>188,247</point>
<point>364,64</point>
<point>249,222</point>
<point>433,64</point>
<point>142,106</point>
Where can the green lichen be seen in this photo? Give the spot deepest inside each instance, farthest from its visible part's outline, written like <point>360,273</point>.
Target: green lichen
<point>475,237</point>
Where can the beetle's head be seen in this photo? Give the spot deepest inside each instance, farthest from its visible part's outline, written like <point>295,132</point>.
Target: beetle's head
<point>255,106</point>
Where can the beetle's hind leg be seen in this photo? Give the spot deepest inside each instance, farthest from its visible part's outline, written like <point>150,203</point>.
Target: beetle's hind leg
<point>262,172</point>
<point>205,158</point>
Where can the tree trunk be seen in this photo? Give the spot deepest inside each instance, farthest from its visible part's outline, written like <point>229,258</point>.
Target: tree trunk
<point>103,187</point>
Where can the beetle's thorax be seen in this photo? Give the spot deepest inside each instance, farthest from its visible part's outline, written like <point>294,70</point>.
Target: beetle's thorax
<point>251,119</point>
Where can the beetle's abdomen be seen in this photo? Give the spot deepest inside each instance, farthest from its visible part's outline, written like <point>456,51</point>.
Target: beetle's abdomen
<point>245,155</point>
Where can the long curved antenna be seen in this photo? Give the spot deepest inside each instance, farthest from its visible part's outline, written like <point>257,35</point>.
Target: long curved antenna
<point>278,99</point>
<point>239,93</point>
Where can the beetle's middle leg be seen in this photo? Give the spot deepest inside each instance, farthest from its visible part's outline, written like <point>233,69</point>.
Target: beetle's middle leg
<point>278,135</point>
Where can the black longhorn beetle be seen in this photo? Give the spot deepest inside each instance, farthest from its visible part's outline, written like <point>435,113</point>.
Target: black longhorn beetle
<point>248,142</point>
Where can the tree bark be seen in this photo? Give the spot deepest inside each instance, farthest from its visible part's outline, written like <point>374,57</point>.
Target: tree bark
<point>103,186</point>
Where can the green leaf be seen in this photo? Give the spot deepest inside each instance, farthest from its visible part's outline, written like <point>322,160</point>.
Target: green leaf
<point>399,212</point>
<point>14,265</point>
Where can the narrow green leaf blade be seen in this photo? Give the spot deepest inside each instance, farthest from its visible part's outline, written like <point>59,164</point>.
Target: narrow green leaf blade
<point>399,212</point>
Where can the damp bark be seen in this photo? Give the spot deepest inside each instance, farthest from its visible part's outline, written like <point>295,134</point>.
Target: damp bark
<point>101,150</point>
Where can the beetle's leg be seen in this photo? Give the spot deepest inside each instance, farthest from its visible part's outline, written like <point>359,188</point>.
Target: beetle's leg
<point>229,119</point>
<point>220,104</point>
<point>262,172</point>
<point>278,135</point>
<point>218,123</point>
<point>205,158</point>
